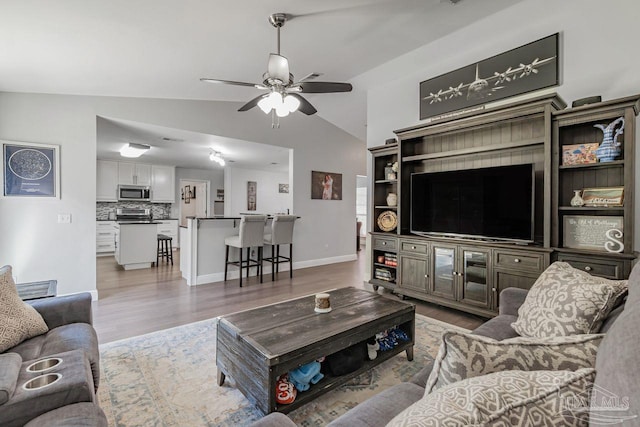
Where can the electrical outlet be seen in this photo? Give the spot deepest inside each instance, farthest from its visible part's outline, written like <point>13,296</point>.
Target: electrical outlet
<point>64,218</point>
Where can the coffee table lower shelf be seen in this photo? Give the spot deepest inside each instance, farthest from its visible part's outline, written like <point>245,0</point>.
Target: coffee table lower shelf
<point>329,383</point>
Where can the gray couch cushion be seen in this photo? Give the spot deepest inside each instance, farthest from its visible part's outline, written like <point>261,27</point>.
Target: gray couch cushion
<point>9,370</point>
<point>499,328</point>
<point>381,408</point>
<point>76,336</point>
<point>76,415</point>
<point>617,370</point>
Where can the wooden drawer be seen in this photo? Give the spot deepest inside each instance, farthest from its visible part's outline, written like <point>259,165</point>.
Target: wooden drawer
<point>384,243</point>
<point>518,260</point>
<point>414,247</point>
<point>610,269</point>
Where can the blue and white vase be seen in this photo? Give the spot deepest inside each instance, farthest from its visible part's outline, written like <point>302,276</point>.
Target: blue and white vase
<point>609,148</point>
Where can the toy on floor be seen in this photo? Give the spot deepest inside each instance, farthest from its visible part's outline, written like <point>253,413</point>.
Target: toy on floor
<point>285,391</point>
<point>305,375</point>
<point>390,338</point>
<point>372,348</point>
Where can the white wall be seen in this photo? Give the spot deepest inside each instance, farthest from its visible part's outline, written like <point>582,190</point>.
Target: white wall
<point>598,56</point>
<point>268,199</point>
<point>39,248</point>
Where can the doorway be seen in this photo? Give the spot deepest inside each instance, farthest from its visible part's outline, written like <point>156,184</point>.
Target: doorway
<point>361,210</point>
<point>194,199</point>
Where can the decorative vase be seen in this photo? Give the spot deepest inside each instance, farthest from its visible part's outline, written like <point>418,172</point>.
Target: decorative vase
<point>609,149</point>
<point>577,199</point>
<point>389,173</point>
<point>392,199</point>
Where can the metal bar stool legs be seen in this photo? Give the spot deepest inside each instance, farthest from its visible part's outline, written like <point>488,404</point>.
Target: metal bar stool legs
<point>281,234</point>
<point>250,236</point>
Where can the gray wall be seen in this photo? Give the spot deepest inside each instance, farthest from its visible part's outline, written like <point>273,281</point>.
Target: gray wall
<point>39,248</point>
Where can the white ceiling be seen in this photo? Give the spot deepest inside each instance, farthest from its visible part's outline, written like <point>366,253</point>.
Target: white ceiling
<point>160,48</point>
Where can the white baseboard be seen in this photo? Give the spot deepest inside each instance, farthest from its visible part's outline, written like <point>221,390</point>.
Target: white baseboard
<point>233,271</point>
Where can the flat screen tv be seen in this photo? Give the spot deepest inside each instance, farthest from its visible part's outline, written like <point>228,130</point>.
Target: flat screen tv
<point>495,203</point>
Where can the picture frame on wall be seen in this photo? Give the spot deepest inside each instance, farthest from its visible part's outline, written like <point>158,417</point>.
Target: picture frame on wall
<point>283,188</point>
<point>524,69</point>
<point>30,170</point>
<point>252,190</point>
<point>326,185</point>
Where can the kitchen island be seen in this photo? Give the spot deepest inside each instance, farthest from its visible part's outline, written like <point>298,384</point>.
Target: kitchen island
<point>202,249</point>
<point>136,244</point>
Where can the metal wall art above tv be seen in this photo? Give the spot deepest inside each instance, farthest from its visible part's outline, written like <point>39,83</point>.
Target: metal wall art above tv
<point>495,203</point>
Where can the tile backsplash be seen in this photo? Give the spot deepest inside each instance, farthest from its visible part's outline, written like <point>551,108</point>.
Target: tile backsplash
<point>158,210</point>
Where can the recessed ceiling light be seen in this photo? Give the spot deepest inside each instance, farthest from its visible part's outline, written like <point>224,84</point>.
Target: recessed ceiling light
<point>133,150</point>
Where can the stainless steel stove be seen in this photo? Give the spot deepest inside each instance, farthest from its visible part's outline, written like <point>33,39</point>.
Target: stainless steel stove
<point>133,215</point>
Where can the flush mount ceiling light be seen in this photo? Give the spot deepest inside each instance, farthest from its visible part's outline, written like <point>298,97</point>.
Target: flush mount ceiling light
<point>216,156</point>
<point>283,96</point>
<point>134,150</point>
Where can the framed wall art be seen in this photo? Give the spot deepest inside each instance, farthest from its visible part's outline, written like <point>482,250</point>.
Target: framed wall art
<point>252,192</point>
<point>283,188</point>
<point>523,69</point>
<point>599,233</point>
<point>326,185</point>
<point>30,170</point>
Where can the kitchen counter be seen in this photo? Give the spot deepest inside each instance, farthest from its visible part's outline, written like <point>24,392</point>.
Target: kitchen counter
<point>136,244</point>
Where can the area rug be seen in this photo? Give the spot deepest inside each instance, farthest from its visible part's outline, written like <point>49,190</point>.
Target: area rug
<point>168,378</point>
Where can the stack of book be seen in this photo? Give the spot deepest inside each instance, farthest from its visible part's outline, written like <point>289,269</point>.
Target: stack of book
<point>391,260</point>
<point>384,274</point>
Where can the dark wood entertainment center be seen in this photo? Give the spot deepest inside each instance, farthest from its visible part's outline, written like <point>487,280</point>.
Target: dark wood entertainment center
<point>468,274</point>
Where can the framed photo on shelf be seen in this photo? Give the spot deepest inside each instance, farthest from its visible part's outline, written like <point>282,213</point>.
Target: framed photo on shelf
<point>603,196</point>
<point>579,154</point>
<point>30,170</point>
<point>599,233</point>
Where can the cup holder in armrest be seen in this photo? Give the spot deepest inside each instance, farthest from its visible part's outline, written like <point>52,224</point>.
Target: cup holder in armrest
<point>41,381</point>
<point>44,364</point>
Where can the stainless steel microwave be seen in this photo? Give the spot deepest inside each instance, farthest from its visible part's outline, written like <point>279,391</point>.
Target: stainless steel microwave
<point>136,193</point>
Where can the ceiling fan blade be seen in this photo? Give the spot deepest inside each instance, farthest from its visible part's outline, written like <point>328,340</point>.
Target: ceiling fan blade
<point>278,67</point>
<point>324,87</point>
<point>231,82</point>
<point>249,105</point>
<point>305,106</point>
<point>309,76</point>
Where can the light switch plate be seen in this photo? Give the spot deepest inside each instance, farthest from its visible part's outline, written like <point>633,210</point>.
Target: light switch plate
<point>64,218</point>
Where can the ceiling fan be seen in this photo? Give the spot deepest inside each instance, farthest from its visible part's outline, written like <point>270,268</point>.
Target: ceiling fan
<point>283,93</point>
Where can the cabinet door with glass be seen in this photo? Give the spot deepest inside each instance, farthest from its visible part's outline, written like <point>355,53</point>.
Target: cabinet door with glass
<point>444,271</point>
<point>473,265</point>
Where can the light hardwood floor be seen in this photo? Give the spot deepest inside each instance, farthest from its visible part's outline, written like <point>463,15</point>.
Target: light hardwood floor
<point>136,302</point>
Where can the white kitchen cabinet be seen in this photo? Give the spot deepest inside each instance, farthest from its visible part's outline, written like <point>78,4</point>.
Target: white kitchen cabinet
<point>163,185</point>
<point>169,227</point>
<point>105,237</point>
<point>107,181</point>
<point>135,245</point>
<point>134,174</point>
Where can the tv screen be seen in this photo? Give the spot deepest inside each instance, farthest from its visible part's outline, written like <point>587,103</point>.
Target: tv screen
<point>488,203</point>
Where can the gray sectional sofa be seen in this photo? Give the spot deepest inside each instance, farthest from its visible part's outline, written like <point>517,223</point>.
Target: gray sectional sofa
<point>71,400</point>
<point>617,365</point>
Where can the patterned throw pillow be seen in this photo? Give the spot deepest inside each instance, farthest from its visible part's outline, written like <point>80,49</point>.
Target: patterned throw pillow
<point>463,356</point>
<point>18,320</point>
<point>504,399</point>
<point>567,301</point>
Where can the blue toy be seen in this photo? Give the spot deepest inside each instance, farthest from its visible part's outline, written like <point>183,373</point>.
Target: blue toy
<point>305,374</point>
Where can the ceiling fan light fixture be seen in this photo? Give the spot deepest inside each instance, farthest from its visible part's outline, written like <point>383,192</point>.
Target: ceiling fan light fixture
<point>282,110</point>
<point>265,105</point>
<point>133,150</point>
<point>292,103</point>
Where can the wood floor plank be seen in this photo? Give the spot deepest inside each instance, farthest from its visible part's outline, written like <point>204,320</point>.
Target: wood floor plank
<point>136,302</point>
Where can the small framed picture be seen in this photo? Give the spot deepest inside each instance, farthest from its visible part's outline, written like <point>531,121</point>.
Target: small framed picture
<point>579,154</point>
<point>603,196</point>
<point>283,188</point>
<point>30,170</point>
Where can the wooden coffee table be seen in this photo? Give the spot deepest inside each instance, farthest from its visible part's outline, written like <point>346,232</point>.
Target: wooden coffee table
<point>255,347</point>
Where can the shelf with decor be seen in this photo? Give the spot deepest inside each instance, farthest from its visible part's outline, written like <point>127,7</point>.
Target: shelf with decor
<point>385,189</point>
<point>593,184</point>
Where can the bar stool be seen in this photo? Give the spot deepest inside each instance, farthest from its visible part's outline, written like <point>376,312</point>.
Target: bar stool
<point>165,248</point>
<point>251,235</point>
<point>281,234</point>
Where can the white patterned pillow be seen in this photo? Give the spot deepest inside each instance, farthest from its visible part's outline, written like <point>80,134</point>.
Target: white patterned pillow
<point>505,399</point>
<point>462,355</point>
<point>567,301</point>
<point>18,320</point>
